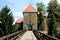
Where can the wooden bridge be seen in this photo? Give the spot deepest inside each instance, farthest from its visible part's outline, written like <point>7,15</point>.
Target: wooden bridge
<point>28,35</point>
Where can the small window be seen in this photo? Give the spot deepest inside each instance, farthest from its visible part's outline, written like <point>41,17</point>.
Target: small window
<point>29,14</point>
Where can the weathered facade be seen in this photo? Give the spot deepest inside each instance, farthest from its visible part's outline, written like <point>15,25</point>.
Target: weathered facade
<point>30,18</point>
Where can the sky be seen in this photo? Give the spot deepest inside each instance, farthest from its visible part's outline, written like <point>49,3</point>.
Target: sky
<point>17,6</point>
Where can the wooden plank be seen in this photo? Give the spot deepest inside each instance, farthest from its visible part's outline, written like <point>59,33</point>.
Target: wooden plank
<point>29,35</point>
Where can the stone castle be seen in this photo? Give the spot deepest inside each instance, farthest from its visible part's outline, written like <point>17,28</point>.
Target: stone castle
<point>30,18</point>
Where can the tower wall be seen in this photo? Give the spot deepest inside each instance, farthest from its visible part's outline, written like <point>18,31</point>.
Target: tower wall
<point>30,17</point>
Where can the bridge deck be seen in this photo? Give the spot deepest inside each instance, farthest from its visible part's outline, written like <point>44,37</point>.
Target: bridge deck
<point>28,35</point>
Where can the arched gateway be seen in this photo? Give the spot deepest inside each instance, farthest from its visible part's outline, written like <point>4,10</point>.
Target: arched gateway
<point>30,18</point>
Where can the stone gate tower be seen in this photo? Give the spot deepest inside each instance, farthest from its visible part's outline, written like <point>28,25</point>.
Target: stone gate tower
<point>30,18</point>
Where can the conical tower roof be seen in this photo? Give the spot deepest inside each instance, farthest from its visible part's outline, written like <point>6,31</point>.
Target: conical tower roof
<point>30,8</point>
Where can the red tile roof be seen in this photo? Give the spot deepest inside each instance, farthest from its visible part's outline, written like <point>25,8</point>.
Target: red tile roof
<point>18,21</point>
<point>30,8</point>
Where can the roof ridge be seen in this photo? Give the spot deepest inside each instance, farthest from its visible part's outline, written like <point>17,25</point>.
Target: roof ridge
<point>18,20</point>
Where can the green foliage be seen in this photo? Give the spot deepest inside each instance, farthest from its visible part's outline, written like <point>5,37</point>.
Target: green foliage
<point>40,7</point>
<point>6,21</point>
<point>52,15</point>
<point>52,26</point>
<point>41,10</point>
<point>53,7</point>
<point>1,32</point>
<point>58,36</point>
<point>40,18</point>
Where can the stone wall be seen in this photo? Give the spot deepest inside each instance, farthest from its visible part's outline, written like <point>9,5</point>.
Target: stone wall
<point>30,17</point>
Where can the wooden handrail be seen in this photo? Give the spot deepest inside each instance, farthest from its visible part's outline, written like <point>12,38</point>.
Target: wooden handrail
<point>40,36</point>
<point>10,35</point>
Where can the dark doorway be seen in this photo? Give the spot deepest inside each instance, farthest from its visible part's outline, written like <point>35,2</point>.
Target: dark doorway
<point>29,27</point>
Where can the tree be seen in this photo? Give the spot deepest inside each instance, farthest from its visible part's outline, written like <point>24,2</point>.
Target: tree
<point>6,21</point>
<point>52,8</point>
<point>52,26</point>
<point>41,10</point>
<point>1,31</point>
<point>57,11</point>
<point>52,15</point>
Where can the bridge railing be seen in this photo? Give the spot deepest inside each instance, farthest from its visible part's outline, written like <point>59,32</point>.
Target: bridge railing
<point>12,36</point>
<point>41,36</point>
